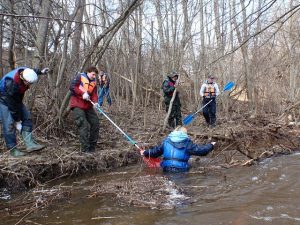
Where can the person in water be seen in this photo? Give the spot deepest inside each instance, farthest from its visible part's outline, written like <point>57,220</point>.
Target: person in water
<point>176,150</point>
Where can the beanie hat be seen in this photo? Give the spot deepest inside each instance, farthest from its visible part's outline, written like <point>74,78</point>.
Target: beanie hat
<point>173,74</point>
<point>30,76</point>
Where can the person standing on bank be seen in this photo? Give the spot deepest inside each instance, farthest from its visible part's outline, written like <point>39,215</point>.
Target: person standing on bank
<point>83,90</point>
<point>104,82</point>
<point>13,113</point>
<point>168,86</point>
<point>176,150</point>
<point>209,91</point>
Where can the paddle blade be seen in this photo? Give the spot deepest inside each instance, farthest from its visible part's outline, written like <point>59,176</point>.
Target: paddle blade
<point>228,86</point>
<point>187,120</point>
<point>152,162</point>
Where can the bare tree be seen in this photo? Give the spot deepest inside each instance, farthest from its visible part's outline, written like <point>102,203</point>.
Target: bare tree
<point>108,33</point>
<point>163,48</point>
<point>242,35</point>
<point>40,44</point>
<point>1,41</point>
<point>138,50</point>
<point>11,46</point>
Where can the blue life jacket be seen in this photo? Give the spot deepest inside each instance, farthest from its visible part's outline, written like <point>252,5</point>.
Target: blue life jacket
<point>175,155</point>
<point>9,75</point>
<point>176,150</point>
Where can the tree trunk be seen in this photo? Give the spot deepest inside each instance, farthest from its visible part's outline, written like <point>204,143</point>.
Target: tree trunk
<point>138,48</point>
<point>11,45</point>
<point>40,45</point>
<point>1,44</point>
<point>162,42</point>
<point>187,39</point>
<point>244,49</point>
<point>75,53</point>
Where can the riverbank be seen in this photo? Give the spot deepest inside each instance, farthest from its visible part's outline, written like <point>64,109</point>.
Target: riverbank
<point>53,163</point>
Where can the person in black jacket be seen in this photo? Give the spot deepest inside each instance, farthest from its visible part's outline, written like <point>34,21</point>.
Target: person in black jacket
<point>169,85</point>
<point>14,114</point>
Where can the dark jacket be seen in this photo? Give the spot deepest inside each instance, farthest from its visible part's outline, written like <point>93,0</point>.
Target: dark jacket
<point>12,90</point>
<point>176,152</point>
<point>168,89</point>
<point>76,98</point>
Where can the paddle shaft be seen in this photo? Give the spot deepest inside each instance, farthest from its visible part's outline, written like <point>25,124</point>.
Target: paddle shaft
<point>202,108</point>
<point>126,135</point>
<point>150,162</point>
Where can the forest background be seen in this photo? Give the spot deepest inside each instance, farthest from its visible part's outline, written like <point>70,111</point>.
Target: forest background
<point>254,43</point>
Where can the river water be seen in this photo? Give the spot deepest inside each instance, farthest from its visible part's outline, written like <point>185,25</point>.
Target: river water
<point>267,193</point>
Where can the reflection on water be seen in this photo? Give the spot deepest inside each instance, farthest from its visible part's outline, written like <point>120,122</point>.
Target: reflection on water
<point>267,193</point>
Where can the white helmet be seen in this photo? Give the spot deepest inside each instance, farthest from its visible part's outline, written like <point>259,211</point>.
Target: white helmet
<point>30,76</point>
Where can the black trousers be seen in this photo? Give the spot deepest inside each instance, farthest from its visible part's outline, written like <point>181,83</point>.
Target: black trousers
<point>209,111</point>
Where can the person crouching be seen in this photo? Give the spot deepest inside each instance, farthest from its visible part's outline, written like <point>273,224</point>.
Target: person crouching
<point>14,114</point>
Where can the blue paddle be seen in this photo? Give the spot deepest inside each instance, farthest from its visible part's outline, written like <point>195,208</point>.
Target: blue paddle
<point>187,120</point>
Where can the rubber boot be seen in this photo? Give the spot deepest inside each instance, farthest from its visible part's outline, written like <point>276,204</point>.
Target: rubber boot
<point>29,142</point>
<point>15,152</point>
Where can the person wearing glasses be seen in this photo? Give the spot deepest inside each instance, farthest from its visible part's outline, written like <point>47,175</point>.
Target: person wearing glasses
<point>14,114</point>
<point>84,90</point>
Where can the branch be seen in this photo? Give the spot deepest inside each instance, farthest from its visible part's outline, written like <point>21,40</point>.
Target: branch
<point>115,25</point>
<point>49,18</point>
<point>257,33</point>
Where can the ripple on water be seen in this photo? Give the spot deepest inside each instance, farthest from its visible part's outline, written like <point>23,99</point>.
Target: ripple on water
<point>271,218</point>
<point>174,197</point>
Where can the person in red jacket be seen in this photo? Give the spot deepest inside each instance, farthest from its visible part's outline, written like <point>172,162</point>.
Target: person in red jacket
<point>84,89</point>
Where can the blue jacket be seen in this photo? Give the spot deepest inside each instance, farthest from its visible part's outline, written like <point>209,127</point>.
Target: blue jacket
<point>176,150</point>
<point>12,90</point>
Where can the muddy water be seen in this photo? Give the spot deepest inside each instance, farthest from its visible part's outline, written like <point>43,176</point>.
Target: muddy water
<point>267,193</point>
